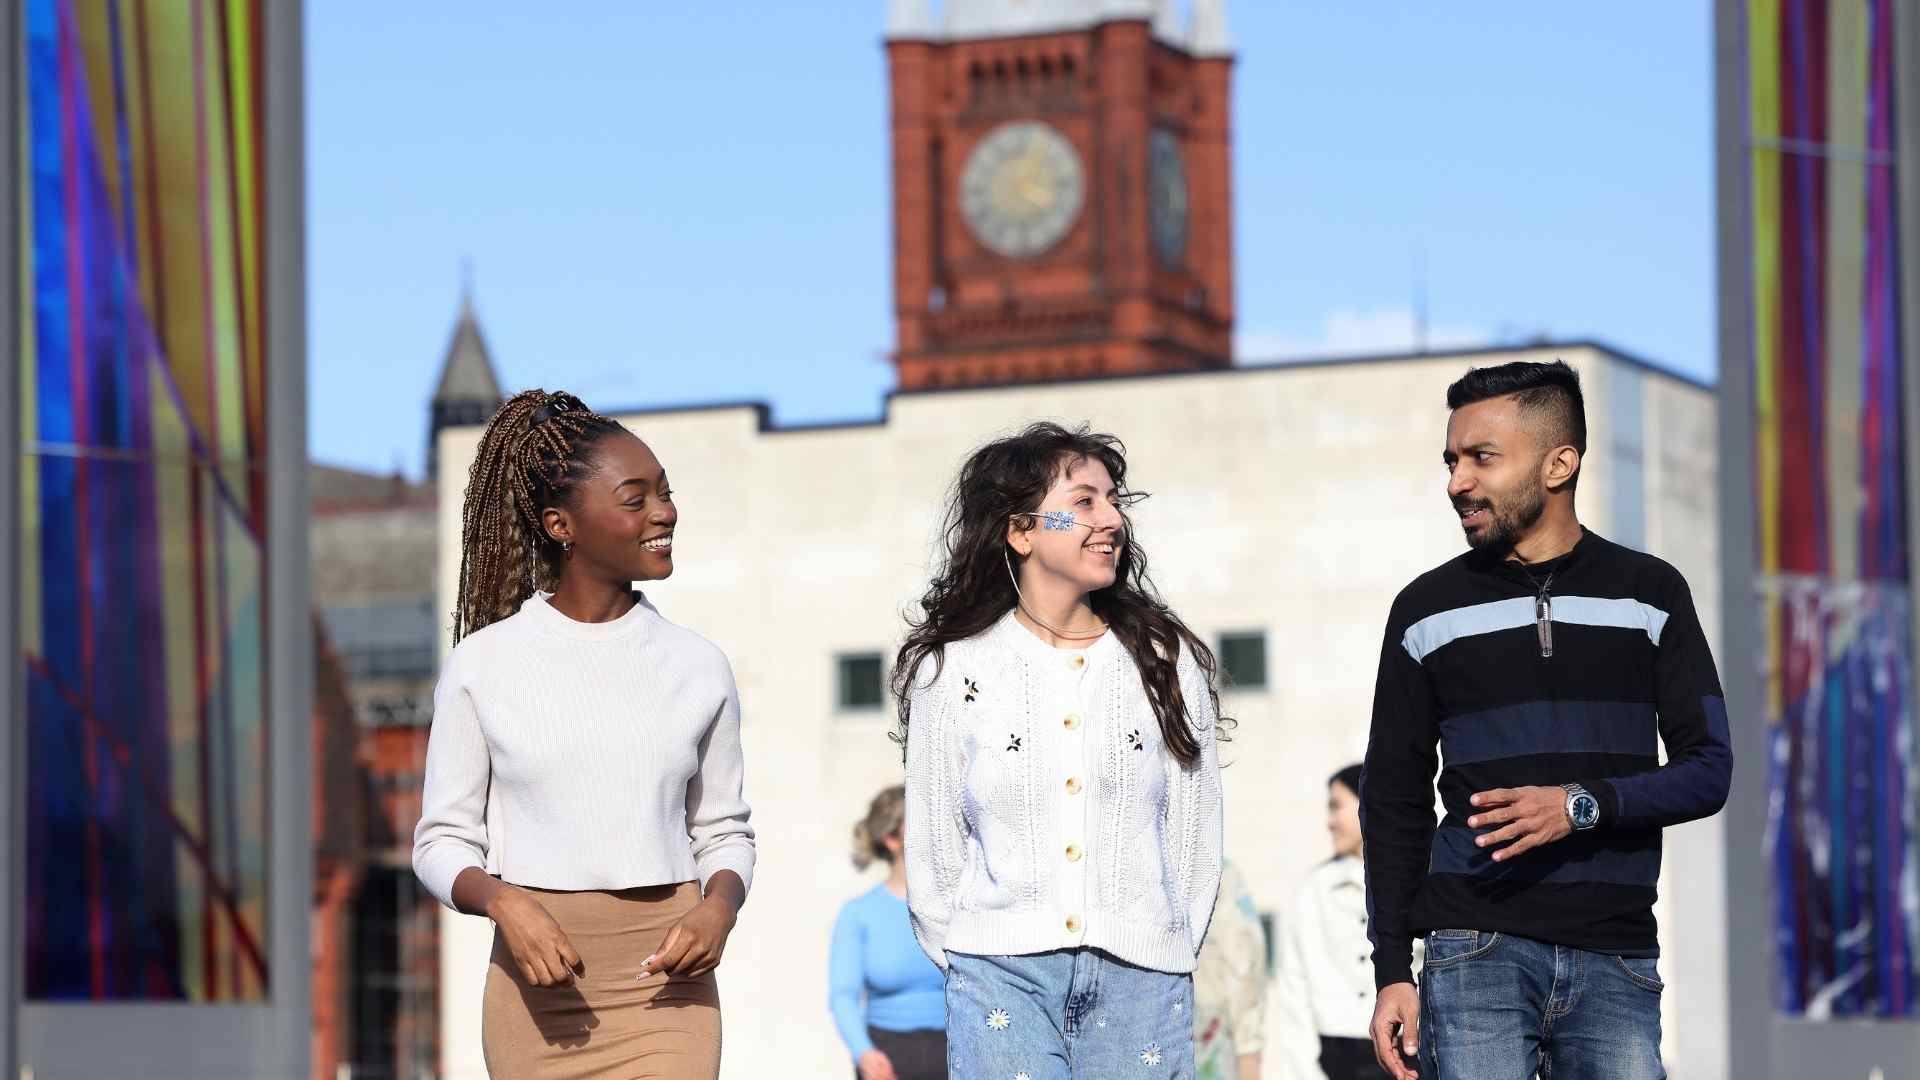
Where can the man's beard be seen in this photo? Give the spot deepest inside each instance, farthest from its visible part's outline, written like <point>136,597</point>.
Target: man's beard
<point>1510,518</point>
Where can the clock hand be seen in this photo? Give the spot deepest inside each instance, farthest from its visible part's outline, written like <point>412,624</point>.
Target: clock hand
<point>1035,192</point>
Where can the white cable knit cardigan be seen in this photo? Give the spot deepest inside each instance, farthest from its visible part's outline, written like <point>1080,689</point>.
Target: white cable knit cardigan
<point>1043,811</point>
<point>571,755</point>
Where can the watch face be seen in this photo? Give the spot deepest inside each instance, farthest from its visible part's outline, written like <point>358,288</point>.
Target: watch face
<point>1584,811</point>
<point>1022,188</point>
<point>1167,197</point>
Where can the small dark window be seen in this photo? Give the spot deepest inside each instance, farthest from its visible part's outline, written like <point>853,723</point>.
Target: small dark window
<point>859,681</point>
<point>1243,659</point>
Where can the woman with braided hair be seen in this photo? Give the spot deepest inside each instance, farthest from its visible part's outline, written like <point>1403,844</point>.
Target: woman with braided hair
<point>583,780</point>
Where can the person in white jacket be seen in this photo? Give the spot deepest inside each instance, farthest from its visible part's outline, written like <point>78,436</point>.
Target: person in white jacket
<point>1063,785</point>
<point>1324,986</point>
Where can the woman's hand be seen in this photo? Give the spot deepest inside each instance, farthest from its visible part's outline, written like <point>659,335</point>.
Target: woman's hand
<point>873,1065</point>
<point>694,945</point>
<point>540,948</point>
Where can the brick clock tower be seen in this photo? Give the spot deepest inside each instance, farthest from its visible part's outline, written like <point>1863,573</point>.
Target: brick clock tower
<point>1061,198</point>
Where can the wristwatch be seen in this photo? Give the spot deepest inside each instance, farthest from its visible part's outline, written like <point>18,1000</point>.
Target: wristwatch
<point>1583,810</point>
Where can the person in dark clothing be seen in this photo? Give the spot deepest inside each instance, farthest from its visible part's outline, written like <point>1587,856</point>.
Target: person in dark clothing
<point>1541,665</point>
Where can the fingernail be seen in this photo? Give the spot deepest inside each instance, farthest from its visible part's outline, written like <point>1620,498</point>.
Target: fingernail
<point>643,974</point>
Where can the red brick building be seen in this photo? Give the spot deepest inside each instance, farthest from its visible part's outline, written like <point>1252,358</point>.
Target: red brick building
<point>1062,199</point>
<point>375,930</point>
<point>339,850</point>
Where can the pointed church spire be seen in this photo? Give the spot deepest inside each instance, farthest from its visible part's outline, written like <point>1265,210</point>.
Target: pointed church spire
<point>466,369</point>
<point>468,391</point>
<point>1209,33</point>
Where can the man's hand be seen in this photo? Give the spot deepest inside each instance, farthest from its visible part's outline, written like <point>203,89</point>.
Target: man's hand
<point>1396,1019</point>
<point>1528,816</point>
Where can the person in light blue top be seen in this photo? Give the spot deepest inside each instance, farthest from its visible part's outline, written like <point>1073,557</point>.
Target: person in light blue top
<point>889,1001</point>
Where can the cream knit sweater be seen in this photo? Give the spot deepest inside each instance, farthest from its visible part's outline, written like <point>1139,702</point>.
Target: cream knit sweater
<point>570,755</point>
<point>1044,813</point>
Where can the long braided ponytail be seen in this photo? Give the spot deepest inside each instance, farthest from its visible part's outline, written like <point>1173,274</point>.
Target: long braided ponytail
<point>538,445</point>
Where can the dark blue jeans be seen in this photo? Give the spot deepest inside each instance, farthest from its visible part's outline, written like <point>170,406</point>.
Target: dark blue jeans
<point>1499,1007</point>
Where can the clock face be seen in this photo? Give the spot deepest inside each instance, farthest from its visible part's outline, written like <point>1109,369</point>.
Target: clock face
<point>1022,188</point>
<point>1167,197</point>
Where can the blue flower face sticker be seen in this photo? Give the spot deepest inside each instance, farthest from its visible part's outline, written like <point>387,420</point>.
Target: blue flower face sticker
<point>1057,520</point>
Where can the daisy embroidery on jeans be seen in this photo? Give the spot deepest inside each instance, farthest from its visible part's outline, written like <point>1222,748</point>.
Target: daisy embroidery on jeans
<point>998,1019</point>
<point>1151,1055</point>
<point>1021,1076</point>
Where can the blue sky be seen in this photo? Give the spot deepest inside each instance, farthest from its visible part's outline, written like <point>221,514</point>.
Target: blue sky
<point>689,202</point>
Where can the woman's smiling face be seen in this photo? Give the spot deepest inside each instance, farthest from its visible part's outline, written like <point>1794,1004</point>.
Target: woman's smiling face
<point>1077,532</point>
<point>622,521</point>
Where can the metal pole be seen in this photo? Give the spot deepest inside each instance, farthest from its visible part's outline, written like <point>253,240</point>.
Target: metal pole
<point>1749,968</point>
<point>13,742</point>
<point>290,629</point>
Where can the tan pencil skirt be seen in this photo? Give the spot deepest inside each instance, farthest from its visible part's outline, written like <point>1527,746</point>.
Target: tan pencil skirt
<point>606,1024</point>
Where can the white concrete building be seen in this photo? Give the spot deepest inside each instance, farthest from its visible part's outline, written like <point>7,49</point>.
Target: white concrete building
<point>1290,501</point>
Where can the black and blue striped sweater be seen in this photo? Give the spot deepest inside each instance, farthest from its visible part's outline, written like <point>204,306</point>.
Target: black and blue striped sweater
<point>1463,688</point>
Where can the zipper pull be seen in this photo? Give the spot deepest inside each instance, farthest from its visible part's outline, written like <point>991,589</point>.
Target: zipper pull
<point>1543,623</point>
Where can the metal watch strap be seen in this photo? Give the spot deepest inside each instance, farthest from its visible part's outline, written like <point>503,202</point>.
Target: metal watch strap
<point>1575,791</point>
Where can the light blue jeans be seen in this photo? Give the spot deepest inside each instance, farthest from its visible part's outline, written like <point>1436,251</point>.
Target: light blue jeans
<point>1500,1007</point>
<point>1074,1014</point>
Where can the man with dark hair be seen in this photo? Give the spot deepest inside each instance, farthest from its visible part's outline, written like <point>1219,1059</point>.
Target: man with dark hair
<point>1542,663</point>
<point>1548,395</point>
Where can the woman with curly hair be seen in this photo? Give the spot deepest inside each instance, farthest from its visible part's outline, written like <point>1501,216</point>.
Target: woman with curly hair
<point>583,778</point>
<point>1063,784</point>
